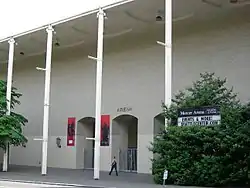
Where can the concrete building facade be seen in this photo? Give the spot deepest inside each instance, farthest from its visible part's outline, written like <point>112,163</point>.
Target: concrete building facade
<point>133,83</point>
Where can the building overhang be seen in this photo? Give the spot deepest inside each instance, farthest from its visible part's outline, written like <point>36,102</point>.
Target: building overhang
<point>135,18</point>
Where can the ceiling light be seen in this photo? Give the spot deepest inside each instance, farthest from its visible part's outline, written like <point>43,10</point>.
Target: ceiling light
<point>233,1</point>
<point>159,18</point>
<point>160,15</point>
<point>57,44</point>
<point>213,3</point>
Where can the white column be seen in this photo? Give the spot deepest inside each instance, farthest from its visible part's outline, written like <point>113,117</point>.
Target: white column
<point>101,16</point>
<point>168,54</point>
<point>8,95</point>
<point>50,31</point>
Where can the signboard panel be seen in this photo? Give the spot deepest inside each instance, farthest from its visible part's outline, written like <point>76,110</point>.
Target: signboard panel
<point>105,130</point>
<point>199,116</point>
<point>165,175</point>
<point>71,131</point>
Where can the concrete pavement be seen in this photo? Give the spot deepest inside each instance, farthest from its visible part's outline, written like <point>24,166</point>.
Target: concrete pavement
<point>77,177</point>
<point>9,184</point>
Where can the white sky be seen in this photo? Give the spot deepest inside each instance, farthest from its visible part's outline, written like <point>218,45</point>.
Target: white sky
<point>17,16</point>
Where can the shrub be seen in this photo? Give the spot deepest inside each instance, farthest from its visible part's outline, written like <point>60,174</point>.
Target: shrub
<point>205,155</point>
<point>11,126</point>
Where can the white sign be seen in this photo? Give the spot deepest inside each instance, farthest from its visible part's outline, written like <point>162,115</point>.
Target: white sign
<point>165,175</point>
<point>199,116</point>
<point>199,120</point>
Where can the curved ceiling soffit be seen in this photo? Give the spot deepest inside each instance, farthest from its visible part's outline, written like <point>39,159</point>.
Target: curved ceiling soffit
<point>117,34</point>
<point>180,18</point>
<point>81,31</point>
<point>42,43</point>
<point>233,4</point>
<point>56,39</point>
<point>22,48</point>
<point>106,35</point>
<point>212,3</point>
<point>2,59</point>
<point>129,14</point>
<point>3,50</point>
<point>78,43</point>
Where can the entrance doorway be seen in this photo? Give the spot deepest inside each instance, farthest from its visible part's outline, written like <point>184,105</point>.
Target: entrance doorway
<point>84,147</point>
<point>124,142</point>
<point>159,124</point>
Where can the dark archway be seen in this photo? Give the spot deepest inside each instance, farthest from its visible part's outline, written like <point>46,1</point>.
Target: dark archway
<point>84,147</point>
<point>124,142</point>
<point>159,124</point>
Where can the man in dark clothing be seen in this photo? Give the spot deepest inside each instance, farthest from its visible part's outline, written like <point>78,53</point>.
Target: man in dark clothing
<point>113,166</point>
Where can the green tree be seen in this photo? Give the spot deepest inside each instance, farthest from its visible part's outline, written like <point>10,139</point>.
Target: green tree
<point>10,125</point>
<point>205,155</point>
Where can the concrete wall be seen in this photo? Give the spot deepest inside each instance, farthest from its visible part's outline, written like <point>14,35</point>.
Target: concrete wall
<point>217,46</point>
<point>73,95</point>
<point>133,77</point>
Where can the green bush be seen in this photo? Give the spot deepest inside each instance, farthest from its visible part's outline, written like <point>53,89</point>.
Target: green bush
<point>11,126</point>
<point>205,155</point>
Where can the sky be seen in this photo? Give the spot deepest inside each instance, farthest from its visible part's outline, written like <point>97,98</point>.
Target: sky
<point>17,16</point>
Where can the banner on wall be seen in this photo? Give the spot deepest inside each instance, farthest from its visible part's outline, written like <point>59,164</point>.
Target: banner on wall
<point>71,131</point>
<point>105,130</point>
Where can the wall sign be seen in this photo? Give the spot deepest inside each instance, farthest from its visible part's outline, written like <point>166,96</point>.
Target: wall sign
<point>199,116</point>
<point>71,131</point>
<point>124,109</point>
<point>105,130</point>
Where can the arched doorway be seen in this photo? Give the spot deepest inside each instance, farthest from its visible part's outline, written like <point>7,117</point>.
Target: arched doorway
<point>159,124</point>
<point>84,147</point>
<point>124,142</point>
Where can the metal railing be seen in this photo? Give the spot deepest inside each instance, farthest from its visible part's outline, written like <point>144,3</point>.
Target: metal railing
<point>128,160</point>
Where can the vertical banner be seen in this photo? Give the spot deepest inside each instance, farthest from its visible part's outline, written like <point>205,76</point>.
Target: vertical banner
<point>105,130</point>
<point>71,131</point>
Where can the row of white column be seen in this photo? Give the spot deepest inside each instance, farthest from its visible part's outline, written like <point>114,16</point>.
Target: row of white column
<point>168,55</point>
<point>99,59</point>
<point>47,70</point>
<point>8,95</point>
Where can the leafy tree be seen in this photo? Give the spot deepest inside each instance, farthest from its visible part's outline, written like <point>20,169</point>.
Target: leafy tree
<point>205,155</point>
<point>10,125</point>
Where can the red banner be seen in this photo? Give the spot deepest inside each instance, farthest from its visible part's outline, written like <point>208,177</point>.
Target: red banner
<point>71,131</point>
<point>105,130</point>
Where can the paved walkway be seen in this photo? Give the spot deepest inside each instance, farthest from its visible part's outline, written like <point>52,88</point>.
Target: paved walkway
<point>78,177</point>
<point>9,184</point>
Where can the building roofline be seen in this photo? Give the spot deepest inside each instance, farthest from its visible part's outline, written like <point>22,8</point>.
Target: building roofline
<point>67,19</point>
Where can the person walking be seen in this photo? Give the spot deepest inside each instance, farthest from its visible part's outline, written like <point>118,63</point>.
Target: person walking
<point>113,166</point>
